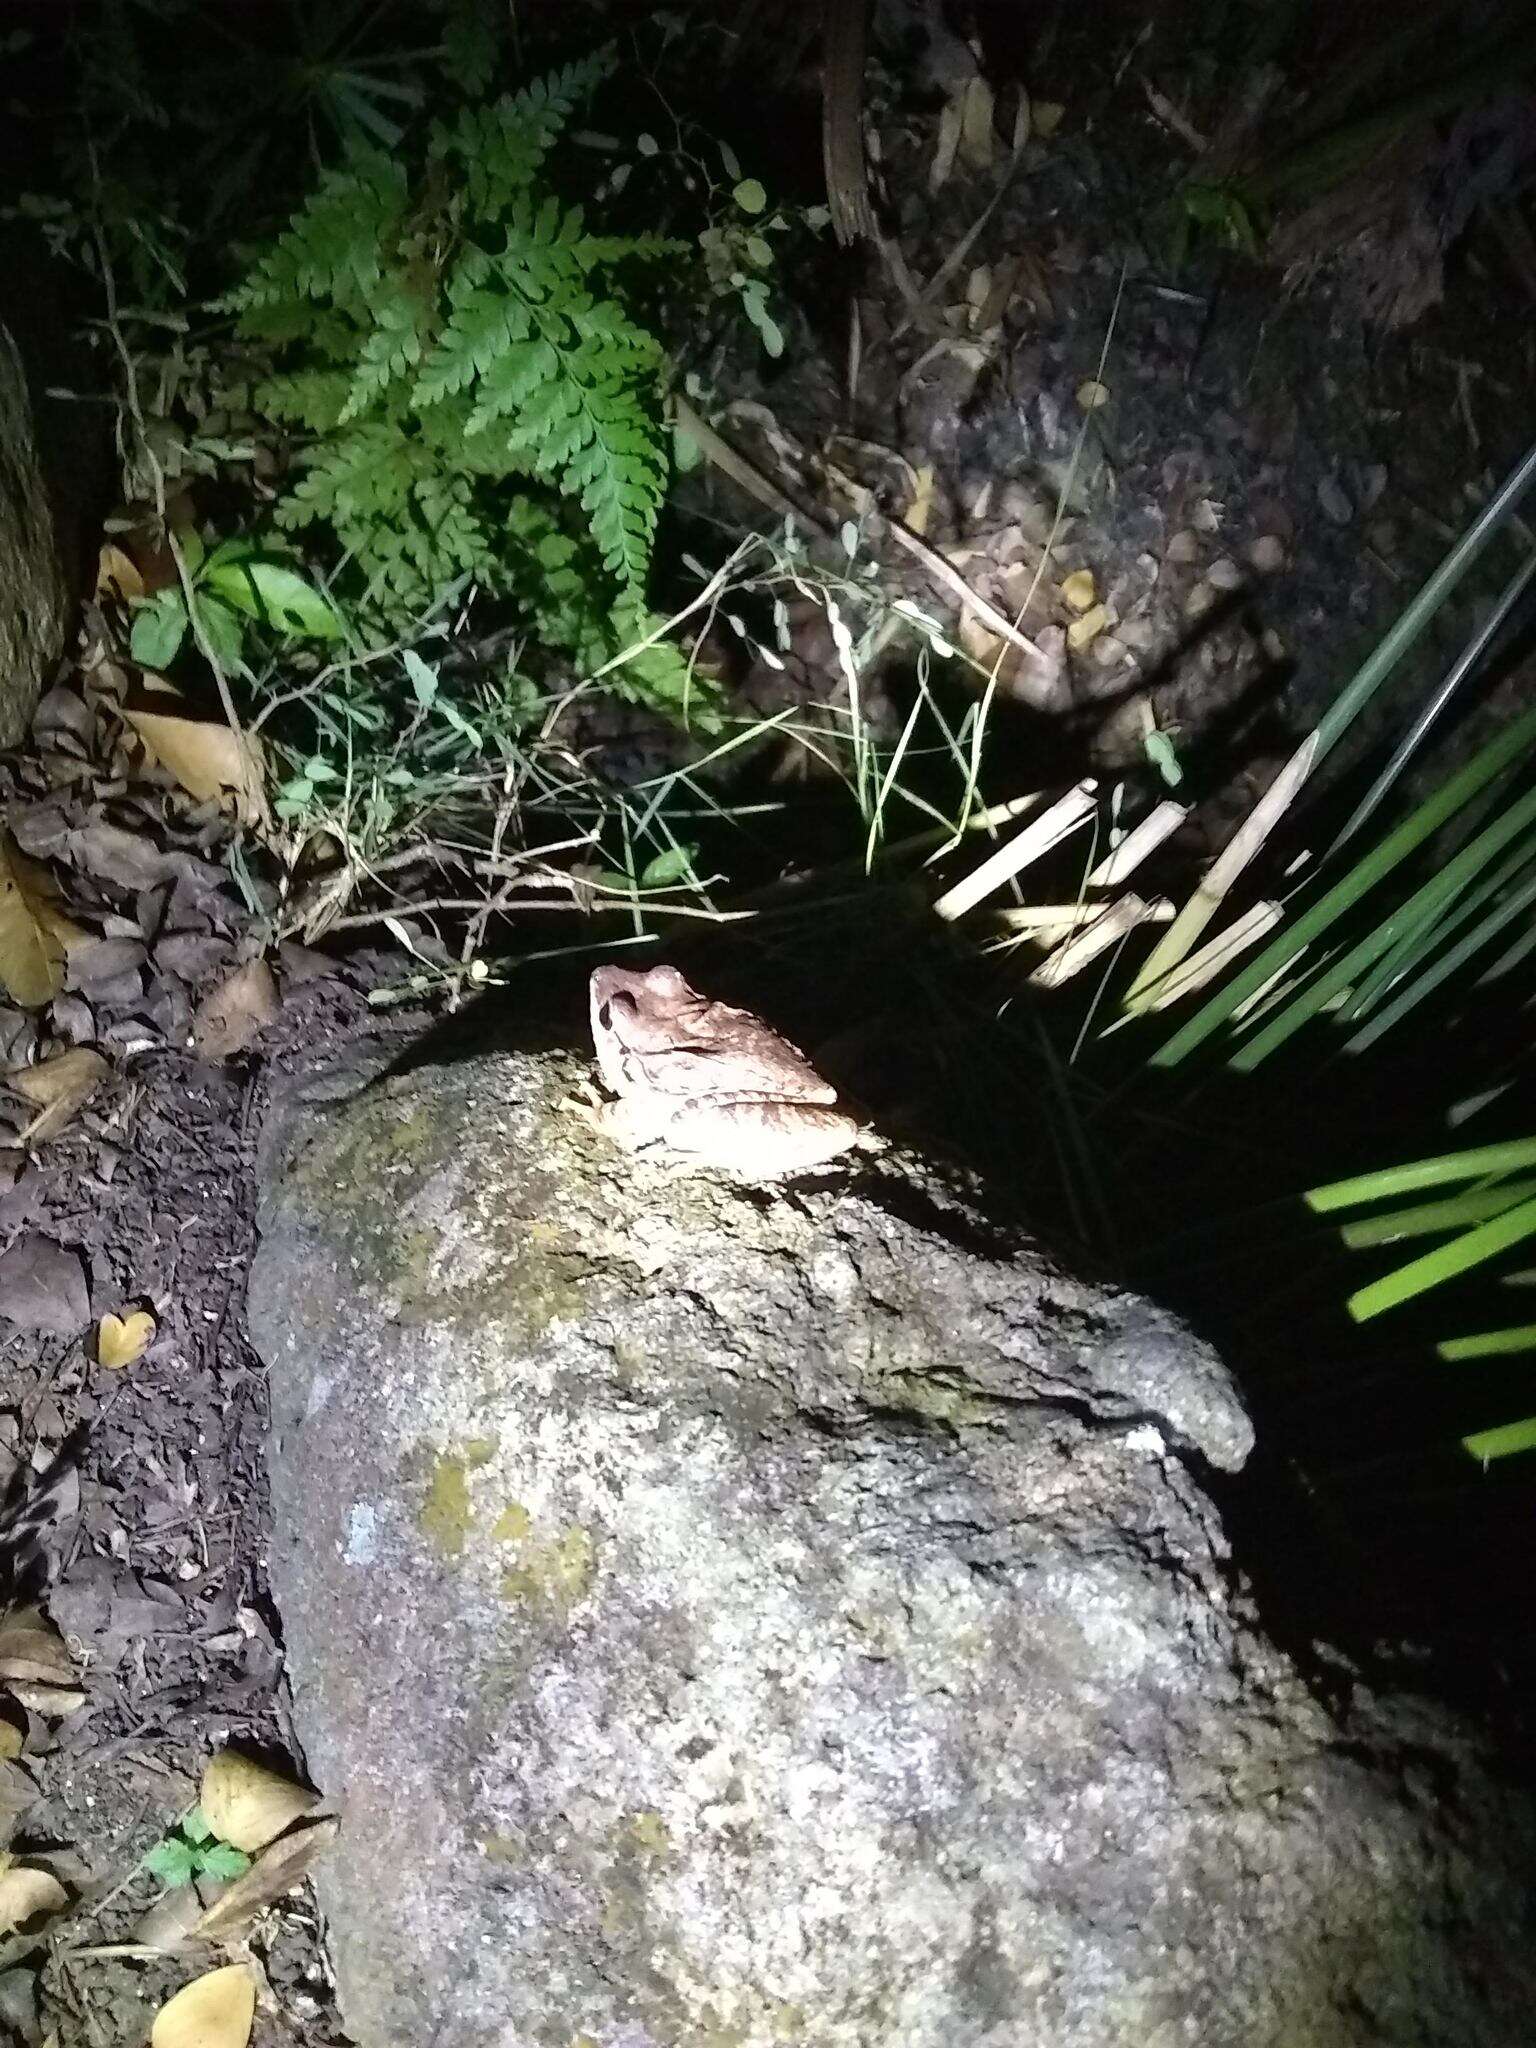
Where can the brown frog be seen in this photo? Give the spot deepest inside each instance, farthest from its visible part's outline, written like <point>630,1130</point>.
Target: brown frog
<point>707,1080</point>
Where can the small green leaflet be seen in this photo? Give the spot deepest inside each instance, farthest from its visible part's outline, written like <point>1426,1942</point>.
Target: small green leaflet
<point>172,1861</point>
<point>750,196</point>
<point>423,678</point>
<point>675,865</point>
<point>1160,752</point>
<point>159,627</point>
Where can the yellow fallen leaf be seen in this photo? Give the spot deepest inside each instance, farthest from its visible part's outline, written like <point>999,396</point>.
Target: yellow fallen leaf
<point>234,1013</point>
<point>205,755</point>
<point>1078,589</point>
<point>25,1893</point>
<point>1082,632</point>
<point>117,573</point>
<point>60,1085</point>
<point>245,1803</point>
<point>123,1340</point>
<point>35,935</point>
<point>215,2011</point>
<point>12,1741</point>
<point>1091,394</point>
<point>978,139</point>
<point>920,509</point>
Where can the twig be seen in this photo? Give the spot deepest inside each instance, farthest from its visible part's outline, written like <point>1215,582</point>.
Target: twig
<point>740,470</point>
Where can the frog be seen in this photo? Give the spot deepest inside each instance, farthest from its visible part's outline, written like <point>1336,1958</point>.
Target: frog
<point>704,1080</point>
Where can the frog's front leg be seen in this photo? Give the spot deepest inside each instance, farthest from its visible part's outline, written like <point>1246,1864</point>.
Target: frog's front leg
<point>628,1121</point>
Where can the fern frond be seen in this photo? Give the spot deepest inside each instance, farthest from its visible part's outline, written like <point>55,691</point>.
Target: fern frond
<point>501,149</point>
<point>483,406</point>
<point>332,248</point>
<point>392,349</point>
<point>312,399</point>
<point>483,327</point>
<point>621,481</point>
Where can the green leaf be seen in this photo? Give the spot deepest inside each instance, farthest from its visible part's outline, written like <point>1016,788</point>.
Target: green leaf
<point>223,631</point>
<point>173,1862</point>
<point>1502,1442</point>
<point>675,865</point>
<point>754,302</point>
<point>1472,1248</point>
<point>159,627</point>
<point>223,1859</point>
<point>274,592</point>
<point>195,1826</point>
<point>423,678</point>
<point>459,722</point>
<point>1161,753</point>
<point>750,196</point>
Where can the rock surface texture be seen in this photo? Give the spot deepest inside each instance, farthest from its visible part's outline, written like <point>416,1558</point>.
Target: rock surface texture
<point>733,1618</point>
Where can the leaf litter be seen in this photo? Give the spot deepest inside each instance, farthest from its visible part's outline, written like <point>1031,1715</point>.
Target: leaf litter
<point>136,1636</point>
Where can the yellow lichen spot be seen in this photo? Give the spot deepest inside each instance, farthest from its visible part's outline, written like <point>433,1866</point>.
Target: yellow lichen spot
<point>649,1832</point>
<point>446,1513</point>
<point>788,2022</point>
<point>479,1451</point>
<point>503,1849</point>
<point>513,1524</point>
<point>553,1571</point>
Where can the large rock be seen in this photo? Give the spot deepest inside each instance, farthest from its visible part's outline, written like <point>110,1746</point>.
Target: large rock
<point>36,601</point>
<point>736,1619</point>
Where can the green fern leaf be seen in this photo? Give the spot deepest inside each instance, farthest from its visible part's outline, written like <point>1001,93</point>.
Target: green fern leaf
<point>483,405</point>
<point>483,327</point>
<point>332,247</point>
<point>390,352</point>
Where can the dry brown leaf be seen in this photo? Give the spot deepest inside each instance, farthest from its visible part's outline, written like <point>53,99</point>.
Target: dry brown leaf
<point>1078,589</point>
<point>206,757</point>
<point>34,932</point>
<point>60,1085</point>
<point>123,1340</point>
<point>25,1893</point>
<point>245,1803</point>
<point>117,574</point>
<point>270,1878</point>
<point>168,1923</point>
<point>237,1011</point>
<point>36,1666</point>
<point>215,2011</point>
<point>32,1651</point>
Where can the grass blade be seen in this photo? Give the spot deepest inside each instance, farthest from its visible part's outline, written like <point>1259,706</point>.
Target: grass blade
<point>1500,1443</point>
<point>1491,1344</point>
<point>1439,890</point>
<point>1505,748</point>
<point>1517,1155</point>
<point>1448,1262</point>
